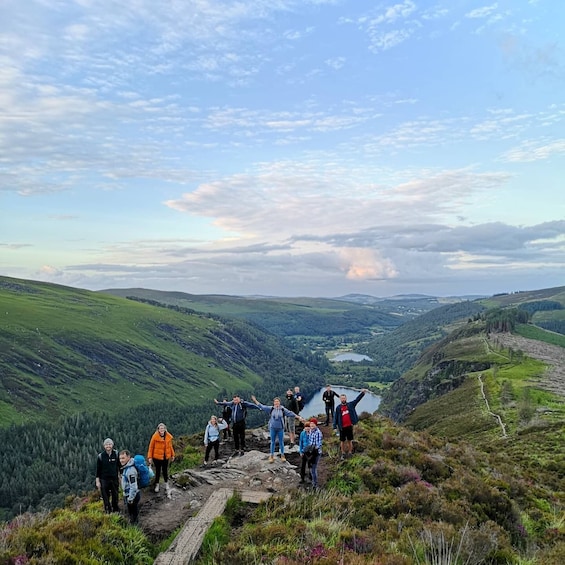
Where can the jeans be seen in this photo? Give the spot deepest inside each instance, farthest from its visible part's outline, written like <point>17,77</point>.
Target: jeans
<point>277,434</point>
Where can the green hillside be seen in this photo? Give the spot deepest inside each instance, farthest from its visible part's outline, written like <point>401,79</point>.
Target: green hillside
<point>473,475</point>
<point>288,317</point>
<point>83,365</point>
<point>66,350</point>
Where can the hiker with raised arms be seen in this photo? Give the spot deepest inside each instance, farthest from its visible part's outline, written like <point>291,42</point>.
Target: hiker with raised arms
<point>276,413</point>
<point>344,420</point>
<point>238,415</point>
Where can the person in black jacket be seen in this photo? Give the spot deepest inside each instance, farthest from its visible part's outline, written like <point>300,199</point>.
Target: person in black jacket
<point>238,415</point>
<point>291,404</point>
<point>226,417</point>
<point>329,403</point>
<point>107,482</point>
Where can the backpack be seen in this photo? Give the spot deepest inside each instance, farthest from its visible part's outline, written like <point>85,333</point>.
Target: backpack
<point>144,473</point>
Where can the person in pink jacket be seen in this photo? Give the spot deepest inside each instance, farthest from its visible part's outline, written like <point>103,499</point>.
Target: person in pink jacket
<point>160,453</point>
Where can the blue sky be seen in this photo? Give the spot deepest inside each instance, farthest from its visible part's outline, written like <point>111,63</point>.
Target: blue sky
<point>284,147</point>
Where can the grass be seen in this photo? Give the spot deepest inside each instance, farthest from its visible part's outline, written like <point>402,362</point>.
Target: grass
<point>533,332</point>
<point>60,346</point>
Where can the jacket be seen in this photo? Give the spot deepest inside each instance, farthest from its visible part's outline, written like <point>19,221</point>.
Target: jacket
<point>239,411</point>
<point>352,412</point>
<point>129,481</point>
<point>107,466</point>
<point>276,416</point>
<point>161,447</point>
<point>212,433</point>
<point>303,441</point>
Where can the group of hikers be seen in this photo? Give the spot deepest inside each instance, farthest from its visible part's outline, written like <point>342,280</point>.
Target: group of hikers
<point>110,464</point>
<point>282,418</point>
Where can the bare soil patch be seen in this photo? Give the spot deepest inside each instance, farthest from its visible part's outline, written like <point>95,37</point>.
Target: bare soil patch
<point>553,378</point>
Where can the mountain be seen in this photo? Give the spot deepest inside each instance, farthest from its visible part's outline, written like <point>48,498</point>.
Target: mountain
<point>396,351</point>
<point>67,350</point>
<point>288,317</point>
<point>435,387</point>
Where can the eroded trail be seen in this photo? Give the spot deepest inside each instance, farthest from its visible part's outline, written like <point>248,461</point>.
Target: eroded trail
<point>553,378</point>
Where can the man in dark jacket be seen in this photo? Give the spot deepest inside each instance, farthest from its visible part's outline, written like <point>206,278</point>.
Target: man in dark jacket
<point>238,414</point>
<point>226,417</point>
<point>329,403</point>
<point>107,482</point>
<point>291,403</point>
<point>344,420</point>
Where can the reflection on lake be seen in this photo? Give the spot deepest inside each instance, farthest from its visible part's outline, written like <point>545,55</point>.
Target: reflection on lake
<point>356,357</point>
<point>315,406</point>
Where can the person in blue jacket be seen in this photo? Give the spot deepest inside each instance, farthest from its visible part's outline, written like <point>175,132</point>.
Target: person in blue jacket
<point>132,494</point>
<point>276,413</point>
<point>344,419</point>
<point>212,437</point>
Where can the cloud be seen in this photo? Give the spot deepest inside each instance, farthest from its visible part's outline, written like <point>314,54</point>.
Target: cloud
<point>530,151</point>
<point>286,197</point>
<point>483,12</point>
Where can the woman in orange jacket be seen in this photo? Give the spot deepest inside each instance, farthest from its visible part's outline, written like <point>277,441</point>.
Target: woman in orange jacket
<point>160,452</point>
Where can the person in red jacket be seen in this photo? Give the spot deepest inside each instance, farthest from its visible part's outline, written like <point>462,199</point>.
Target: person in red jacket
<point>160,453</point>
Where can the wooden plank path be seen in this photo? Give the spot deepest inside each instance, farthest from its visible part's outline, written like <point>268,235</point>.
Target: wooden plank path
<point>187,544</point>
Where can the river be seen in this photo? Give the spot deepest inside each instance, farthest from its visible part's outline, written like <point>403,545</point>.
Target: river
<point>369,403</point>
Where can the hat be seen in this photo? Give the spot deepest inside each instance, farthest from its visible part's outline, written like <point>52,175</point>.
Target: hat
<point>314,421</point>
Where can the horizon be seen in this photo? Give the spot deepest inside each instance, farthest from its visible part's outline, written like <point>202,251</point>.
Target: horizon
<point>472,296</point>
<point>299,148</point>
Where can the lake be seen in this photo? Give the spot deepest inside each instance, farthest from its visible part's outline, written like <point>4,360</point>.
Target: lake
<point>355,357</point>
<point>315,406</point>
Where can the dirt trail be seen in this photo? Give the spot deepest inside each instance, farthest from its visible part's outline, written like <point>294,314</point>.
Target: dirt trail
<point>160,516</point>
<point>553,378</point>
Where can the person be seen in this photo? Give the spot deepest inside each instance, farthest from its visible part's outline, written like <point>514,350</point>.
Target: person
<point>290,403</point>
<point>107,480</point>
<point>277,413</point>
<point>344,419</point>
<point>303,443</point>
<point>299,398</point>
<point>160,453</point>
<point>226,417</point>
<point>329,403</point>
<point>238,415</point>
<point>212,437</point>
<point>315,439</point>
<point>132,494</point>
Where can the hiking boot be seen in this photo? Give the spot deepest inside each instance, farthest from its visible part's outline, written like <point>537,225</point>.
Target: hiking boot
<point>283,458</point>
<point>157,487</point>
<point>271,459</point>
<point>205,463</point>
<point>342,457</point>
<point>241,453</point>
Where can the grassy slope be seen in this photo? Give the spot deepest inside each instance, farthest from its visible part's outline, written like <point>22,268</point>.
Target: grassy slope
<point>66,350</point>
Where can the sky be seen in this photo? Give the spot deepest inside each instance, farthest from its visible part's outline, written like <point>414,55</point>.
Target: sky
<point>284,147</point>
